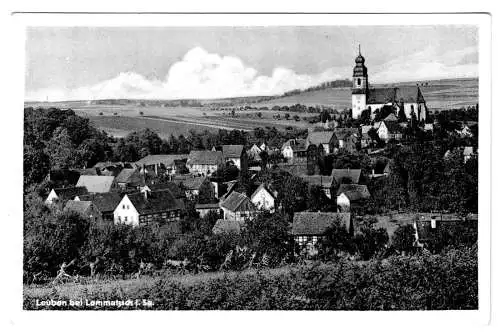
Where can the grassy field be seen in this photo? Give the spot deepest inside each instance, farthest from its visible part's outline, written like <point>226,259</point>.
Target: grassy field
<point>119,120</point>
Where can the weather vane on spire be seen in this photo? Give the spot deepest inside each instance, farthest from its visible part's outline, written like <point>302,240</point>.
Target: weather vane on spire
<point>359,48</point>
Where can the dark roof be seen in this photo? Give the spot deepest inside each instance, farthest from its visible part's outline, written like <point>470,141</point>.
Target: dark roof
<point>105,202</point>
<point>207,206</point>
<point>323,181</point>
<point>315,223</point>
<point>90,172</point>
<point>193,183</point>
<point>155,202</point>
<point>353,174</point>
<point>381,95</point>
<point>130,176</point>
<point>205,157</point>
<point>407,94</point>
<point>393,127</point>
<point>354,191</point>
<point>232,151</point>
<point>237,202</point>
<point>298,144</point>
<point>228,226</point>
<point>319,137</point>
<point>96,184</point>
<point>342,133</point>
<point>109,164</point>
<point>296,169</point>
<point>78,206</point>
<point>171,186</point>
<point>391,117</point>
<point>167,160</point>
<point>69,193</point>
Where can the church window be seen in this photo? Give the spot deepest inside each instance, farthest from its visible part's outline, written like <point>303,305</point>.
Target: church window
<point>359,81</point>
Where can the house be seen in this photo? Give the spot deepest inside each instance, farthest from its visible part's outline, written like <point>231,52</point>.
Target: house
<point>235,154</point>
<point>237,206</point>
<point>158,165</point>
<point>308,228</point>
<point>367,140</point>
<point>228,227</point>
<point>171,186</point>
<point>346,176</point>
<point>389,131</point>
<point>147,207</point>
<point>105,203</point>
<point>204,162</point>
<point>110,168</point>
<point>348,138</point>
<point>97,184</point>
<point>85,208</point>
<point>130,179</point>
<point>204,209</point>
<point>254,153</point>
<point>193,184</point>
<point>464,131</point>
<point>429,127</point>
<point>326,140</point>
<point>391,118</point>
<point>264,198</point>
<point>295,169</point>
<point>59,196</point>
<point>349,195</point>
<point>295,150</point>
<point>325,182</point>
<point>426,224</point>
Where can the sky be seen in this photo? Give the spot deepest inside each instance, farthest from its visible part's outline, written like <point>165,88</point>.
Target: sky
<point>84,63</point>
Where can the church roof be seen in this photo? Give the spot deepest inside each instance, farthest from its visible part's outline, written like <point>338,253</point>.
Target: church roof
<point>407,94</point>
<point>381,95</point>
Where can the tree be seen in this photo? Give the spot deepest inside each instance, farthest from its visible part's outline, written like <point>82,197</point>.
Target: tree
<point>60,149</point>
<point>36,165</point>
<point>336,239</point>
<point>366,116</point>
<point>369,241</point>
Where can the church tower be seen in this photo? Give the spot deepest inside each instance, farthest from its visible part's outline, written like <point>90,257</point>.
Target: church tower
<point>359,86</point>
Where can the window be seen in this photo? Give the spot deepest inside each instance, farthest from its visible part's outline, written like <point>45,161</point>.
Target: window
<point>123,206</point>
<point>128,206</point>
<point>126,218</point>
<point>119,218</point>
<point>359,81</point>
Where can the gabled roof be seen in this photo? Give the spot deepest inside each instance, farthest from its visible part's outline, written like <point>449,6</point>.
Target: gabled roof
<point>237,202</point>
<point>171,186</point>
<point>96,184</point>
<point>323,181</point>
<point>391,118</point>
<point>167,160</point>
<point>155,202</point>
<point>207,206</point>
<point>78,206</point>
<point>109,164</point>
<point>298,144</point>
<point>105,202</point>
<point>232,151</point>
<point>205,157</point>
<point>266,188</point>
<point>315,223</point>
<point>407,94</point>
<point>354,191</point>
<point>193,183</point>
<point>319,137</point>
<point>353,174</point>
<point>69,193</point>
<point>130,176</point>
<point>393,127</point>
<point>343,133</point>
<point>228,226</point>
<point>410,94</point>
<point>296,169</point>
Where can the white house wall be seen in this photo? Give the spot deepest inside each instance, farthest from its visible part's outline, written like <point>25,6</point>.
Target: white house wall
<point>126,213</point>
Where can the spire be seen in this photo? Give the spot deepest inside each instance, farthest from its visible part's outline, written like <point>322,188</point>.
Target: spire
<point>359,48</point>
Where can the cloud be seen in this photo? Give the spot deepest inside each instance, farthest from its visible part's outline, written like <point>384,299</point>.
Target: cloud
<point>204,75</point>
<point>199,75</point>
<point>427,65</point>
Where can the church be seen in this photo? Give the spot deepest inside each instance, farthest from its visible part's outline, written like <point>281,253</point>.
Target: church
<point>409,98</point>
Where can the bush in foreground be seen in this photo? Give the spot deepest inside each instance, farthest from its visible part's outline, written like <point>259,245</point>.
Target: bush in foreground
<point>419,282</point>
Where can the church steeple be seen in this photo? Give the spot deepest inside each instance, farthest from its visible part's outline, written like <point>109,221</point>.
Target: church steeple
<point>360,74</point>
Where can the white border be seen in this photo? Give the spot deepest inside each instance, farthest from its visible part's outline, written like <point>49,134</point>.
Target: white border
<point>231,322</point>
